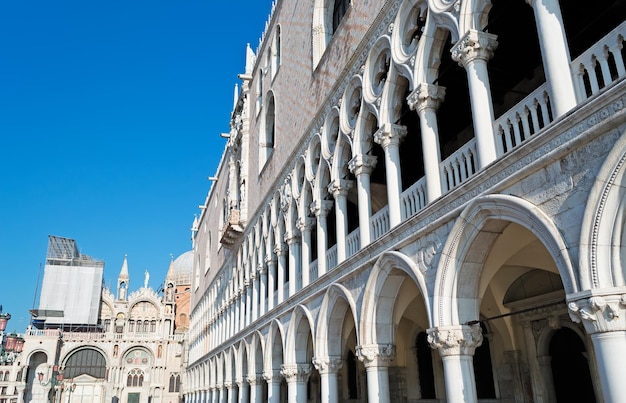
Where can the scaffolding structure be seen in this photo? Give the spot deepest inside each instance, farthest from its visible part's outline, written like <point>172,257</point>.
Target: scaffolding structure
<point>64,252</point>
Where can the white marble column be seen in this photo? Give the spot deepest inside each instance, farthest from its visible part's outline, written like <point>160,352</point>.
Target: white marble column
<point>282,266</point>
<point>362,166</point>
<point>604,318</point>
<point>254,308</point>
<point>262,290</point>
<point>339,189</point>
<point>456,345</point>
<point>305,226</point>
<point>293,242</point>
<point>218,325</point>
<point>256,389</point>
<point>555,54</point>
<point>328,367</point>
<point>321,208</point>
<point>273,380</point>
<point>271,272</point>
<point>237,314</point>
<point>230,392</point>
<point>426,99</point>
<point>242,306</point>
<point>377,358</point>
<point>244,391</point>
<point>473,51</point>
<point>297,376</point>
<point>248,307</point>
<point>389,136</point>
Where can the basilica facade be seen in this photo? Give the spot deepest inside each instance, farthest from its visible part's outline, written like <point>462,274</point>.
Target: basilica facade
<point>419,201</point>
<point>133,353</point>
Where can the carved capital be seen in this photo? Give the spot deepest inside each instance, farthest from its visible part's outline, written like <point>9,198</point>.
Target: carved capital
<point>305,224</point>
<point>376,355</point>
<point>321,207</point>
<point>295,372</point>
<point>292,237</point>
<point>279,250</point>
<point>390,134</point>
<point>474,45</point>
<point>328,365</point>
<point>272,376</point>
<point>362,164</point>
<point>270,260</point>
<point>339,188</point>
<point>600,313</point>
<point>254,380</point>
<point>455,340</point>
<point>426,96</point>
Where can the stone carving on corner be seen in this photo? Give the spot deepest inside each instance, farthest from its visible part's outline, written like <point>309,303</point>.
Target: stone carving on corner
<point>285,194</point>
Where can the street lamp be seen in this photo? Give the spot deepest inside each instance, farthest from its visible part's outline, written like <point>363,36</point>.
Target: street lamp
<point>70,389</point>
<point>11,345</point>
<point>56,381</point>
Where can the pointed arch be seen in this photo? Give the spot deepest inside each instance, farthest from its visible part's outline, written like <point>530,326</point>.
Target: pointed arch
<point>376,322</point>
<point>456,295</point>
<point>256,350</point>
<point>273,356</point>
<point>335,305</point>
<point>300,323</point>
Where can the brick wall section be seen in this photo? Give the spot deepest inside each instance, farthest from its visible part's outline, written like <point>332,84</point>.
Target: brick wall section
<point>300,90</point>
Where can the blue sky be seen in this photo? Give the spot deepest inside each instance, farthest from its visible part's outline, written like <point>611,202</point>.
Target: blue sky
<point>110,115</point>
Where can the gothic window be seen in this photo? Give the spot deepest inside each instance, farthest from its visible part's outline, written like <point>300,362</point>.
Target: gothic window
<point>135,378</point>
<point>275,52</point>
<point>131,325</point>
<point>197,273</point>
<point>107,325</point>
<point>207,258</point>
<point>268,134</point>
<point>174,383</point>
<point>327,17</point>
<point>153,326</point>
<point>340,7</point>
<point>146,326</point>
<point>259,92</point>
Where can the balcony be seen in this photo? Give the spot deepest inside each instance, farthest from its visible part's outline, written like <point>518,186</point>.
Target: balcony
<point>233,229</point>
<point>598,68</point>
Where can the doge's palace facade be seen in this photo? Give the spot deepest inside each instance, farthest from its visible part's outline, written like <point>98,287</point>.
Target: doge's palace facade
<point>419,201</point>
